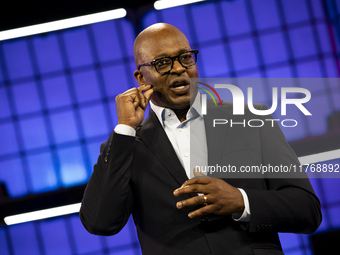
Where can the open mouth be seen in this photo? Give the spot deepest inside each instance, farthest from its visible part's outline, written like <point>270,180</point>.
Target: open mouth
<point>180,87</point>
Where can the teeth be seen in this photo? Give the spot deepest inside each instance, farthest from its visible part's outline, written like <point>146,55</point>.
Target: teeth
<point>180,87</point>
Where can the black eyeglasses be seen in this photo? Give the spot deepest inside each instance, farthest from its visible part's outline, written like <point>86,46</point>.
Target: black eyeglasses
<point>164,65</point>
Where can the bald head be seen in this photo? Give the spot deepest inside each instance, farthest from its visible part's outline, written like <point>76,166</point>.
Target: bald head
<point>155,39</point>
<point>170,89</point>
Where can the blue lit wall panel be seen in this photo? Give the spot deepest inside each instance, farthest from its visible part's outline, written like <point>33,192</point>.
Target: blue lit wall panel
<point>105,35</point>
<point>56,110</point>
<point>310,69</point>
<point>295,11</point>
<point>9,139</point>
<point>115,77</point>
<point>302,41</point>
<point>206,31</point>
<point>57,104</point>
<point>289,241</point>
<point>24,239</point>
<point>270,53</point>
<point>181,19</point>
<point>209,57</point>
<point>47,52</point>
<point>77,47</point>
<point>86,86</point>
<point>122,252</point>
<point>83,240</point>
<point>125,237</point>
<point>33,137</point>
<point>26,98</point>
<point>317,9</point>
<point>13,176</point>
<point>323,37</point>
<point>4,104</point>
<point>1,76</point>
<point>151,17</point>
<point>3,242</point>
<point>55,244</point>
<point>42,172</point>
<point>64,127</point>
<point>56,92</point>
<point>331,70</point>
<point>334,213</point>
<point>244,54</point>
<point>113,113</point>
<point>49,104</point>
<point>93,152</point>
<point>235,17</point>
<point>126,37</point>
<point>94,121</point>
<point>124,241</point>
<point>282,71</point>
<point>72,166</point>
<point>265,13</point>
<point>333,189</point>
<point>17,59</point>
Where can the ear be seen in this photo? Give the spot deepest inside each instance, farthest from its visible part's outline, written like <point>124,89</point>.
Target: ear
<point>139,78</point>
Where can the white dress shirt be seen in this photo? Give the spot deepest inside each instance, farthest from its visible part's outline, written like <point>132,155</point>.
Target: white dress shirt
<point>179,134</point>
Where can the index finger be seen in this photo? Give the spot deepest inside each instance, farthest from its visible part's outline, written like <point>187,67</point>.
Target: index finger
<point>197,180</point>
<point>197,188</point>
<point>144,87</point>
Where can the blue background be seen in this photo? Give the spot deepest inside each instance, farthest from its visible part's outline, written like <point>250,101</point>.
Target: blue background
<point>57,105</point>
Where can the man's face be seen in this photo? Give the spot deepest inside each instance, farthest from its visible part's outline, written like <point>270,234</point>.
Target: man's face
<point>172,89</point>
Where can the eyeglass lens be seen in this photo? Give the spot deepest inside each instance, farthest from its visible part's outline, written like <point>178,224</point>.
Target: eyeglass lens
<point>186,59</point>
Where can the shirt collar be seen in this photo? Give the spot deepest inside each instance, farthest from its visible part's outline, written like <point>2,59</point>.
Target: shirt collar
<point>194,111</point>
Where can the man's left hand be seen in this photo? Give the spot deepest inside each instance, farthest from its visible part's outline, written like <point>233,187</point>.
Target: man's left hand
<point>219,197</point>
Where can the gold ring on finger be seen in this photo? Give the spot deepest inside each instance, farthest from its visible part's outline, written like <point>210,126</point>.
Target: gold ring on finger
<point>205,200</point>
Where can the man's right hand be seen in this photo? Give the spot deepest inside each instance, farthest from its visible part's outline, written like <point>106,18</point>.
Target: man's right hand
<point>131,105</point>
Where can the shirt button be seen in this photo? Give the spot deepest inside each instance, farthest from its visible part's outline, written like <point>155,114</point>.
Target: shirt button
<point>186,154</point>
<point>179,130</point>
<point>168,113</point>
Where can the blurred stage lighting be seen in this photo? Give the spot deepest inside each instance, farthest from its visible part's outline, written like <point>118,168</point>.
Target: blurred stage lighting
<point>164,4</point>
<point>320,157</point>
<point>42,214</point>
<point>62,24</point>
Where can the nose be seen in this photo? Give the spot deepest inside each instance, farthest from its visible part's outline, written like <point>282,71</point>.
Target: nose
<point>177,67</point>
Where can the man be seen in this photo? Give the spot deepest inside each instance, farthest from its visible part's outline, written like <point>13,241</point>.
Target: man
<point>142,171</point>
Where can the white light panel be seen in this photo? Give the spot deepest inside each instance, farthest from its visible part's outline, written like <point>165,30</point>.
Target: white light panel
<point>62,24</point>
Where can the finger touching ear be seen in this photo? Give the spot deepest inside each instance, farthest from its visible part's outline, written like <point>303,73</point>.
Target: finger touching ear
<point>148,94</point>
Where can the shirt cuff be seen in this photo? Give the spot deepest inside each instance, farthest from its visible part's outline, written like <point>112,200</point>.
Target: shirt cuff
<point>245,216</point>
<point>125,130</point>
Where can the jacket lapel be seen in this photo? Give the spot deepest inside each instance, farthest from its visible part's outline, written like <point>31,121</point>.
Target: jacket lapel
<point>153,135</point>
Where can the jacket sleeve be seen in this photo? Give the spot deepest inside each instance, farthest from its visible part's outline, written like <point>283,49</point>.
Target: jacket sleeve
<point>107,201</point>
<point>288,204</point>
